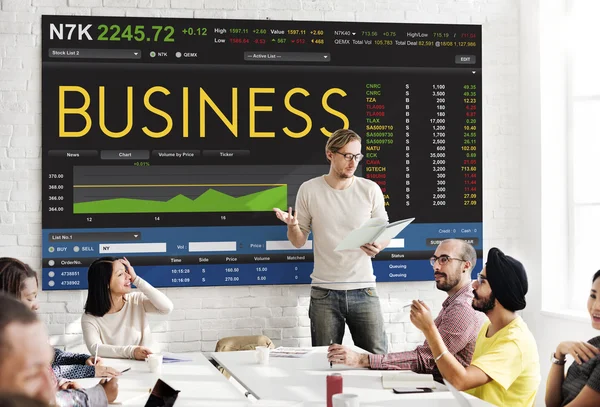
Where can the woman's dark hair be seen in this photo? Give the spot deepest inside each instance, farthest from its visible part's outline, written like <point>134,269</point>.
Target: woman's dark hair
<point>596,275</point>
<point>98,300</point>
<point>13,274</point>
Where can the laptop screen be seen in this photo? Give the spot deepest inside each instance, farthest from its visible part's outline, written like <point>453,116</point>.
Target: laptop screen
<point>162,395</point>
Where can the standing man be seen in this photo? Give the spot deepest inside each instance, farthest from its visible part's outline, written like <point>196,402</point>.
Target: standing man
<point>505,369</point>
<point>343,284</point>
<point>457,322</point>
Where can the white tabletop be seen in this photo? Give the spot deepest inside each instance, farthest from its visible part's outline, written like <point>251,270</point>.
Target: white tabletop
<point>200,383</point>
<point>304,379</point>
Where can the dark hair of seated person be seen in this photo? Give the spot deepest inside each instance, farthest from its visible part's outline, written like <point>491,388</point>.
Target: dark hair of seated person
<point>98,301</point>
<point>596,275</point>
<point>13,273</point>
<point>13,311</point>
<point>19,400</point>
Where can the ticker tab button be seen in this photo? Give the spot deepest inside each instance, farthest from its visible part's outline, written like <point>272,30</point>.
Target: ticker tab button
<point>226,153</point>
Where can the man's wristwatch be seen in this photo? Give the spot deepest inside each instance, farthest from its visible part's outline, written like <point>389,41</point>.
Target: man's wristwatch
<point>557,361</point>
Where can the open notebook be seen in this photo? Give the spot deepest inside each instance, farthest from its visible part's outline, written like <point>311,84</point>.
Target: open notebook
<point>406,380</point>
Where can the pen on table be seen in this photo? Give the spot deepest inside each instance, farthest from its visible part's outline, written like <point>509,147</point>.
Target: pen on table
<point>126,370</point>
<point>330,362</point>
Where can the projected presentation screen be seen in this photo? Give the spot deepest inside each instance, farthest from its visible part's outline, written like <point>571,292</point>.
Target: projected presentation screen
<point>170,141</point>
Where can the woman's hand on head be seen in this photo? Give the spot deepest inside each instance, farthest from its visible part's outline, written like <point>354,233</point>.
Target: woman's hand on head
<point>581,351</point>
<point>129,268</point>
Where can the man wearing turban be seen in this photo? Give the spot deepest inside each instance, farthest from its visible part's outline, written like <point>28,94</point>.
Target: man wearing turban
<point>505,369</point>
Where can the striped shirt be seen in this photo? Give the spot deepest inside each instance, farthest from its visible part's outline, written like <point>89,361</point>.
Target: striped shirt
<point>458,324</point>
<point>579,376</point>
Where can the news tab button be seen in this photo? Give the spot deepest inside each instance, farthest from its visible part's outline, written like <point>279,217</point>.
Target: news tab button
<point>73,153</point>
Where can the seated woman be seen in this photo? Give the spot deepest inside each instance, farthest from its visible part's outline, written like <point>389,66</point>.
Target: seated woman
<point>115,320</point>
<point>581,385</point>
<point>19,280</point>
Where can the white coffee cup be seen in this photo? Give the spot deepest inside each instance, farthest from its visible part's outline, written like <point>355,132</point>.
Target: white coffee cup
<point>154,362</point>
<point>345,400</point>
<point>262,355</point>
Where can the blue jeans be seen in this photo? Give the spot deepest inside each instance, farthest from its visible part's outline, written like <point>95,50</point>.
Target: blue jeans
<point>330,309</point>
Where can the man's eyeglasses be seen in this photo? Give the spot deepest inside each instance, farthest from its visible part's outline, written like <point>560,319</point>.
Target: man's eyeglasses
<point>350,157</point>
<point>443,259</point>
<point>480,278</point>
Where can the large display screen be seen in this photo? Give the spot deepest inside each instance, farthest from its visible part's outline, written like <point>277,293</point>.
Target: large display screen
<point>170,141</point>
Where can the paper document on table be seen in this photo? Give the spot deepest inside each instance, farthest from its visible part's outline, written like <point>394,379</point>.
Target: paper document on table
<point>392,380</point>
<point>374,230</point>
<point>174,358</point>
<point>287,352</point>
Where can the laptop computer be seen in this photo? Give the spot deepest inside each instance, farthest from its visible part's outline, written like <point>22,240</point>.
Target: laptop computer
<point>458,396</point>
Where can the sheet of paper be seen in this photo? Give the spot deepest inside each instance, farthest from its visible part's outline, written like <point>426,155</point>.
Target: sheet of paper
<point>393,229</point>
<point>359,237</point>
<point>288,352</point>
<point>175,357</point>
<point>372,230</point>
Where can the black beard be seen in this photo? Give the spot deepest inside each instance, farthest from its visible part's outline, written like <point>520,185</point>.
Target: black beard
<point>487,305</point>
<point>448,285</point>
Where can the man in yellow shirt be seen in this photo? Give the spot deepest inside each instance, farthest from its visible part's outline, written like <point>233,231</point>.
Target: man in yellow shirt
<point>505,368</point>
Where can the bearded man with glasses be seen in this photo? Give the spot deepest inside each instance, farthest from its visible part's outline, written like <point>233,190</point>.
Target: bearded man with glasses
<point>343,284</point>
<point>457,322</point>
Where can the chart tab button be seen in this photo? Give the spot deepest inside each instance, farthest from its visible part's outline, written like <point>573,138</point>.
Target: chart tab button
<point>124,154</point>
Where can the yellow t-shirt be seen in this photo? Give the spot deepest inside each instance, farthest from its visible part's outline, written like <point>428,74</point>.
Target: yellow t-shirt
<point>511,359</point>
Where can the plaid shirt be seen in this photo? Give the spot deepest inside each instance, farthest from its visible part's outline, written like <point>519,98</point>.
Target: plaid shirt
<point>458,324</point>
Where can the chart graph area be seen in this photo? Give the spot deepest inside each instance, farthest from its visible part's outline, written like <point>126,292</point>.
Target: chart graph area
<point>177,189</point>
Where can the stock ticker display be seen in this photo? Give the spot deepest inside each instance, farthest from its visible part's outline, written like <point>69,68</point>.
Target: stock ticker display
<point>169,141</point>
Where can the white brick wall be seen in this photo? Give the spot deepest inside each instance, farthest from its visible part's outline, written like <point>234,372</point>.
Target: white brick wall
<point>204,315</point>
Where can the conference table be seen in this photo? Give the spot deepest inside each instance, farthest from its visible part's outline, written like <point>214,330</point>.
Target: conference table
<point>304,379</point>
<point>283,382</point>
